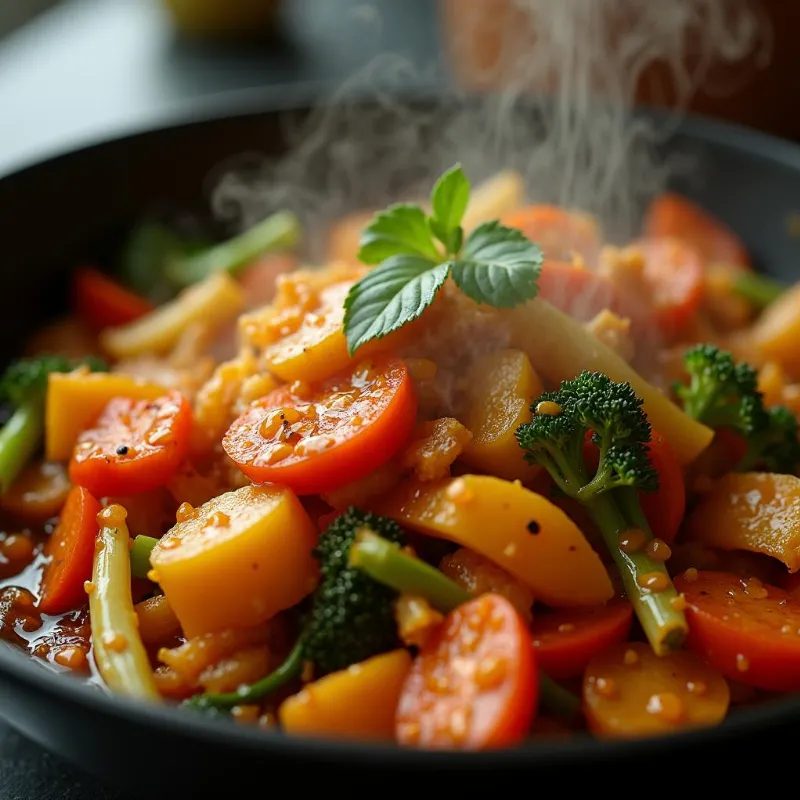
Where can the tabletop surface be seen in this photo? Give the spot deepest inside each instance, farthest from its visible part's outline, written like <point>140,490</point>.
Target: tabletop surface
<point>89,69</point>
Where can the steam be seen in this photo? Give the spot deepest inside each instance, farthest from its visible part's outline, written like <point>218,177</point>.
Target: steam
<point>564,117</point>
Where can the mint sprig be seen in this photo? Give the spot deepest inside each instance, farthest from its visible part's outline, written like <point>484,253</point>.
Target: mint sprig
<point>414,254</point>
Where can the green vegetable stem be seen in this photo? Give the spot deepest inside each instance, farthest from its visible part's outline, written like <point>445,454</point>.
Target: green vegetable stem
<point>594,405</point>
<point>277,232</point>
<point>385,562</point>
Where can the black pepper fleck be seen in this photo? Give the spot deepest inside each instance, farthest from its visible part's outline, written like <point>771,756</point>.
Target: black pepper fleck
<point>534,527</point>
<point>122,450</point>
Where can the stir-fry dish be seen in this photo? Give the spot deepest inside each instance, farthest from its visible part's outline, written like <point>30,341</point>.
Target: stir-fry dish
<point>478,478</point>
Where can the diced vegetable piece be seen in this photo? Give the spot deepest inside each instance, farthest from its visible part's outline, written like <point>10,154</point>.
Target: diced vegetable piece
<point>673,273</point>
<point>318,348</point>
<point>519,530</point>
<point>560,233</point>
<point>71,553</point>
<point>495,197</point>
<point>560,348</point>
<point>435,445</point>
<point>102,302</point>
<point>38,493</point>
<point>157,620</point>
<point>755,511</point>
<point>566,640</point>
<point>134,446</point>
<point>501,387</point>
<point>776,332</point>
<point>672,215</point>
<point>119,653</point>
<point>358,702</point>
<point>630,692</point>
<point>238,560</point>
<point>319,438</point>
<point>744,628</point>
<point>214,301</point>
<point>474,686</point>
<point>75,400</point>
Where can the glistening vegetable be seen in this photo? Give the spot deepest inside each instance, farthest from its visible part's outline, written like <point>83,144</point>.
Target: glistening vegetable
<point>351,616</point>
<point>385,562</point>
<point>611,412</point>
<point>118,650</point>
<point>24,387</point>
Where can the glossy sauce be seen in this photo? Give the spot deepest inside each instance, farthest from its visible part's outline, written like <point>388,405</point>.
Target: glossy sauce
<point>63,641</point>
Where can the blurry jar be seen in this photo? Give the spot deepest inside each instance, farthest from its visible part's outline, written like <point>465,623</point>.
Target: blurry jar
<point>224,18</point>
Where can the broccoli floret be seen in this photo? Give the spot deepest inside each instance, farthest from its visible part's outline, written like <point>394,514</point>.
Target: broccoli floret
<point>611,413</point>
<point>23,386</point>
<point>350,619</point>
<point>723,393</point>
<point>717,387</point>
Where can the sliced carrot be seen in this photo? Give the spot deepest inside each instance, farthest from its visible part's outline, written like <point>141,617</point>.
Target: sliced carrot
<point>474,684</point>
<point>748,630</point>
<point>673,272</point>
<point>559,232</point>
<point>71,553</point>
<point>566,640</point>
<point>321,437</point>
<point>135,445</point>
<point>630,692</point>
<point>101,302</point>
<point>675,216</point>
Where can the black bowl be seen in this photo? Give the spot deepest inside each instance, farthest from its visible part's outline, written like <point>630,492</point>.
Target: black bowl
<point>59,211</point>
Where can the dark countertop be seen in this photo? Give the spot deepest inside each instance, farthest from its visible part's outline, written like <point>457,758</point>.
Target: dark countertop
<point>90,69</point>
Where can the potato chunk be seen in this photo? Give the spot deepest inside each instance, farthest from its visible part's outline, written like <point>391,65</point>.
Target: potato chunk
<point>237,560</point>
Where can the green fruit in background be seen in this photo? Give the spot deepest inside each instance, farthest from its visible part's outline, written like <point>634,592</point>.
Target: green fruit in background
<point>223,17</point>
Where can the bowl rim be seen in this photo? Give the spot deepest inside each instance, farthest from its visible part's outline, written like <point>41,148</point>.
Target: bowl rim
<point>18,667</point>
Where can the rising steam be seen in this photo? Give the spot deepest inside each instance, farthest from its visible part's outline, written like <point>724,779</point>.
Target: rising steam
<point>569,72</point>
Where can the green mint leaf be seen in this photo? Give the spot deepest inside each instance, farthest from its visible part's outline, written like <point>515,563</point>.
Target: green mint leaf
<point>402,229</point>
<point>451,238</point>
<point>498,266</point>
<point>388,297</point>
<point>449,198</point>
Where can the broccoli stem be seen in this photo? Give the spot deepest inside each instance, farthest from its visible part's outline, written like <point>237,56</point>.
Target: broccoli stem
<point>20,438</point>
<point>386,563</point>
<point>661,619</point>
<point>760,290</point>
<point>140,555</point>
<point>254,692</point>
<point>281,230</point>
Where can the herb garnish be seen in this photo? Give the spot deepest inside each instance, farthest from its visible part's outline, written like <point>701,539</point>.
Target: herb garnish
<point>416,252</point>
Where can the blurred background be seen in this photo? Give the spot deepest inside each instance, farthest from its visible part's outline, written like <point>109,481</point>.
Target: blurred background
<point>77,70</point>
